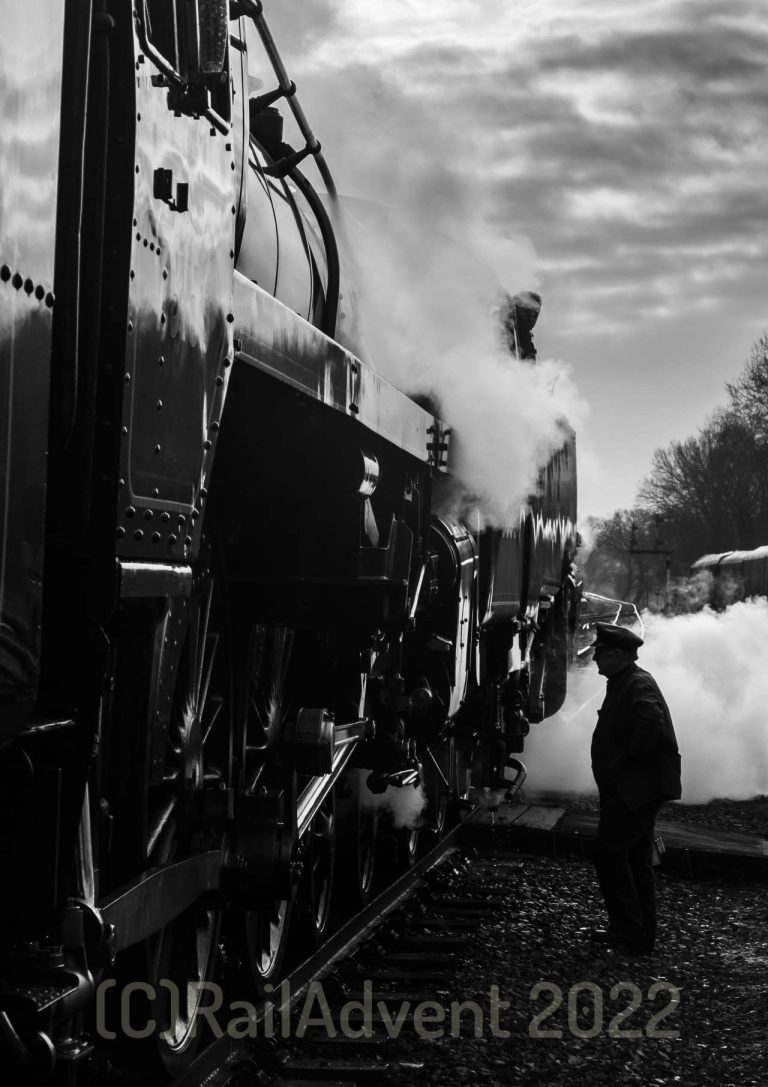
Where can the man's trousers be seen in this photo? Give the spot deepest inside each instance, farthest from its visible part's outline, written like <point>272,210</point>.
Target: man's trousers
<point>623,855</point>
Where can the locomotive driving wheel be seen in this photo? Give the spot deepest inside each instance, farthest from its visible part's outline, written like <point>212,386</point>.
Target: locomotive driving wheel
<point>185,814</point>
<point>318,856</point>
<point>264,706</point>
<point>436,775</point>
<point>357,820</point>
<point>400,835</point>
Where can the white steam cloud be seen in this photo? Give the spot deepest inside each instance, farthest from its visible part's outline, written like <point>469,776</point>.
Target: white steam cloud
<point>427,263</point>
<point>711,670</point>
<point>405,803</point>
<point>429,322</point>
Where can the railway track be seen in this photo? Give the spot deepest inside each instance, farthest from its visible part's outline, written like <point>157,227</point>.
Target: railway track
<point>395,952</point>
<point>404,989</point>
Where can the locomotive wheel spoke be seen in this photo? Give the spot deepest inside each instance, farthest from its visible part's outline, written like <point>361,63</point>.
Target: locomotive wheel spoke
<point>265,932</point>
<point>315,893</point>
<point>182,955</point>
<point>162,829</point>
<point>216,709</point>
<point>210,657</point>
<point>357,833</point>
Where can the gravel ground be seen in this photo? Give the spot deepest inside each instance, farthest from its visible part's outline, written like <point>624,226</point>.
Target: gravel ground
<point>693,1014</point>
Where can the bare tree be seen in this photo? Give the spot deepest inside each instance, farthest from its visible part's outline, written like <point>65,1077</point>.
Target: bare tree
<point>749,393</point>
<point>615,567</point>
<point>709,492</point>
<point>711,489</point>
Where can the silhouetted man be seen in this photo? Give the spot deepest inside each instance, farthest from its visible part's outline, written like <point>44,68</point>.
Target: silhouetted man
<point>636,764</point>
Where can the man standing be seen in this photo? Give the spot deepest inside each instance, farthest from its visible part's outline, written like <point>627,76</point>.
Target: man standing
<point>636,764</point>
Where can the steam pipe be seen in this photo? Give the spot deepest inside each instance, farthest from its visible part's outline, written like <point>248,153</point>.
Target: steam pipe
<point>516,785</point>
<point>331,308</point>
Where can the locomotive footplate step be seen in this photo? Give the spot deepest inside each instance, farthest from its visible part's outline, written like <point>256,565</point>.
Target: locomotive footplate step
<point>35,991</point>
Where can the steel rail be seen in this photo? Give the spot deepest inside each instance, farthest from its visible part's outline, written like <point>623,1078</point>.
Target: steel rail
<point>226,1057</point>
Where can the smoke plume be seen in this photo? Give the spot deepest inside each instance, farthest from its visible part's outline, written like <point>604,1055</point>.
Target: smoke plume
<point>711,671</point>
<point>427,265</point>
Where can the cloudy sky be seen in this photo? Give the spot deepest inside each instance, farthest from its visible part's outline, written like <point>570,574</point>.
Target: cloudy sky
<point>610,153</point>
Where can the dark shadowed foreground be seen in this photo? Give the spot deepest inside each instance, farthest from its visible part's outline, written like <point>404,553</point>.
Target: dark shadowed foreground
<point>692,1014</point>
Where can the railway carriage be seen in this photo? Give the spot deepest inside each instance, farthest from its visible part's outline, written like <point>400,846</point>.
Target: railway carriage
<point>737,575</point>
<point>233,623</point>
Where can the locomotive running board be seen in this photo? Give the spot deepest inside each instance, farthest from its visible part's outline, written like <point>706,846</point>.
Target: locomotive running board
<point>271,338</point>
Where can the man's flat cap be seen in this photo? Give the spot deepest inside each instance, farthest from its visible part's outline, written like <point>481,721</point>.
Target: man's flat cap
<point>615,637</point>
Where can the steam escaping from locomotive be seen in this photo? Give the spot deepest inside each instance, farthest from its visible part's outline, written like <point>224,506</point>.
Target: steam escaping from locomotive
<point>405,804</point>
<point>431,322</point>
<point>710,668</point>
<point>432,256</point>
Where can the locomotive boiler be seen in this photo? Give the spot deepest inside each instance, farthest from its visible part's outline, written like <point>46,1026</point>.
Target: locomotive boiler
<point>231,615</point>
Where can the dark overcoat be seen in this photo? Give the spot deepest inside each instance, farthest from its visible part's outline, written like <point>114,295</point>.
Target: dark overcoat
<point>634,748</point>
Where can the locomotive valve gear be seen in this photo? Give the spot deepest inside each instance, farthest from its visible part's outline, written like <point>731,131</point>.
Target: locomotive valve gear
<point>636,765</point>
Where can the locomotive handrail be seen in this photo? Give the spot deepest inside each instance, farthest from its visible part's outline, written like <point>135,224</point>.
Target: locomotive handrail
<point>331,308</point>
<point>254,10</point>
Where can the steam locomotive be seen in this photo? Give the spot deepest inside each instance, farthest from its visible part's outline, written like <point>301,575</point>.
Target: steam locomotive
<point>230,613</point>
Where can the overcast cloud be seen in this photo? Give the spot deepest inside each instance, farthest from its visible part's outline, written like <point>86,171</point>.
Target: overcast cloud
<point>626,141</point>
